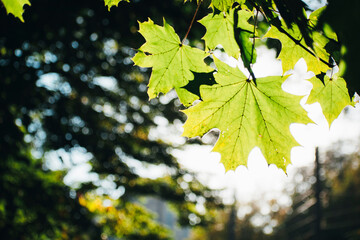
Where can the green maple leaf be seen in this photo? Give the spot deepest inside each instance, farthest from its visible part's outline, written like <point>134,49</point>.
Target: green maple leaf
<point>197,1</point>
<point>110,3</point>
<point>222,5</point>
<point>172,62</point>
<point>220,30</point>
<point>332,95</point>
<point>248,116</point>
<point>246,31</point>
<point>16,7</point>
<point>292,51</point>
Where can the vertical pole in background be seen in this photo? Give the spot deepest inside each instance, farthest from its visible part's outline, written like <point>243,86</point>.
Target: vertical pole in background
<point>318,189</point>
<point>232,223</point>
<point>231,226</point>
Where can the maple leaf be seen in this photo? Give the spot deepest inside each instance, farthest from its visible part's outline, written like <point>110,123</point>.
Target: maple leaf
<point>197,1</point>
<point>172,62</point>
<point>222,5</point>
<point>293,47</point>
<point>248,116</point>
<point>332,95</point>
<point>220,30</point>
<point>110,3</point>
<point>245,32</point>
<point>16,7</point>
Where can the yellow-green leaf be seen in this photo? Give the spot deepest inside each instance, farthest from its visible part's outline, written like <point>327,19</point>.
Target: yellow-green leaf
<point>292,51</point>
<point>222,5</point>
<point>197,1</point>
<point>248,116</point>
<point>220,30</point>
<point>16,7</point>
<point>110,3</point>
<point>332,95</point>
<point>172,62</point>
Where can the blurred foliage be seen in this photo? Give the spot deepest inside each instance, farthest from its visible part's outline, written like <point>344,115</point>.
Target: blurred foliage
<point>67,83</point>
<point>339,198</point>
<point>35,204</point>
<point>342,173</point>
<point>123,219</point>
<point>231,227</point>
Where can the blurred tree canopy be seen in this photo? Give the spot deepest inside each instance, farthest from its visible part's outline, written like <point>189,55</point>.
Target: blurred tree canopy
<point>229,226</point>
<point>67,83</point>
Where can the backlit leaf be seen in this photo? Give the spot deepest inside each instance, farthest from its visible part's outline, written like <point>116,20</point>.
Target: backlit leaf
<point>220,30</point>
<point>332,95</point>
<point>110,3</point>
<point>222,5</point>
<point>248,116</point>
<point>246,33</point>
<point>172,62</point>
<point>292,51</point>
<point>16,7</point>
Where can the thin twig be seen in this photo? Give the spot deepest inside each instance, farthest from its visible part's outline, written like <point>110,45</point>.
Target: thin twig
<point>192,21</point>
<point>331,73</point>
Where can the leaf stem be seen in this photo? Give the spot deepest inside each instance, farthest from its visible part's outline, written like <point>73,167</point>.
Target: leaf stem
<point>192,21</point>
<point>331,73</point>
